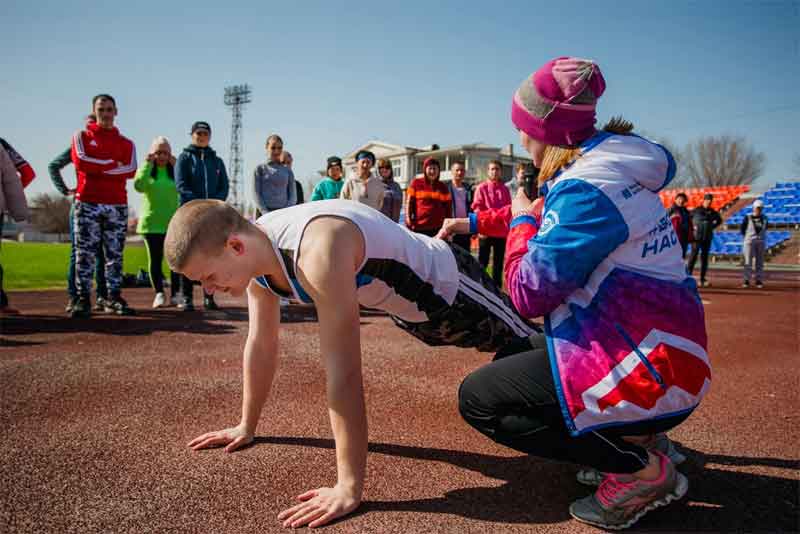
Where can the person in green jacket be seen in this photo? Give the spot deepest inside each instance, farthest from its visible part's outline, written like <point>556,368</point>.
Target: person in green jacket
<point>156,180</point>
<point>331,185</point>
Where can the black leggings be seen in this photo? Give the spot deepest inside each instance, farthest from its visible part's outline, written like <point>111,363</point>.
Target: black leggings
<point>497,245</point>
<point>513,401</point>
<point>703,248</point>
<point>155,252</point>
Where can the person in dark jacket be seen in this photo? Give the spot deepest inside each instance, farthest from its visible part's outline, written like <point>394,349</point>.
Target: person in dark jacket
<point>681,221</point>
<point>199,173</point>
<point>461,193</point>
<point>705,220</point>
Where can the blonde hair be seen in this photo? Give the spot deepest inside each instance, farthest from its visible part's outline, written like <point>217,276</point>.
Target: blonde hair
<point>201,227</point>
<point>160,140</point>
<point>557,158</point>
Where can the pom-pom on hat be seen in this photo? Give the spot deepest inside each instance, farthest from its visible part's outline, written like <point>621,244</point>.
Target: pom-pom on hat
<point>556,104</point>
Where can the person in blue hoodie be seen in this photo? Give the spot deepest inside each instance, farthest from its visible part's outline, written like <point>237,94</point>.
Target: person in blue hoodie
<point>199,173</point>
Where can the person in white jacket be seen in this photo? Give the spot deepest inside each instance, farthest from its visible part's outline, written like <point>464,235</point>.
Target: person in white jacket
<point>12,201</point>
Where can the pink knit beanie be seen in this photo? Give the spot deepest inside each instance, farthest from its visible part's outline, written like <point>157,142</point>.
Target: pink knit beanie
<point>556,104</point>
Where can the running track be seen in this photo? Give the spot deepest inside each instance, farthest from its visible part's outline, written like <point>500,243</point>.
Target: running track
<point>96,414</point>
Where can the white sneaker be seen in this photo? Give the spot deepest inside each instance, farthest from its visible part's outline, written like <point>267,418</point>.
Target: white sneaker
<point>160,301</point>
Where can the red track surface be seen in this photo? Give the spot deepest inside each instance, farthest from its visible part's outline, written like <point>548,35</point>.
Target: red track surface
<point>96,415</point>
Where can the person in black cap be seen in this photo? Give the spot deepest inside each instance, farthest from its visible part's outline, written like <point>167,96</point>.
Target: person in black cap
<point>330,186</point>
<point>199,173</point>
<point>705,220</point>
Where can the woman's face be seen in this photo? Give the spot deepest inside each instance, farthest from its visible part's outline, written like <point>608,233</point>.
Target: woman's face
<point>162,153</point>
<point>534,147</point>
<point>274,149</point>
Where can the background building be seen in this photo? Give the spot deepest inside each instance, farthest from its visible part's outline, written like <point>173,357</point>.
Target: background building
<point>407,160</point>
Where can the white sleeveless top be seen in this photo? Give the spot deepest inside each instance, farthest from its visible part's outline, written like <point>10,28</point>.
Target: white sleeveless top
<point>399,270</point>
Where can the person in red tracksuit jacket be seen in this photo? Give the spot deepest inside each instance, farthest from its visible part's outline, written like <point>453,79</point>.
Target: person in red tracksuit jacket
<point>104,160</point>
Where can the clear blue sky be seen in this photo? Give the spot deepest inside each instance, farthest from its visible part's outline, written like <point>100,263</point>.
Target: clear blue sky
<point>330,77</point>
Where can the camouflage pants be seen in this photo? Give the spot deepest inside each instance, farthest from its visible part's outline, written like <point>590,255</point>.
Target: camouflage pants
<point>481,316</point>
<point>95,223</point>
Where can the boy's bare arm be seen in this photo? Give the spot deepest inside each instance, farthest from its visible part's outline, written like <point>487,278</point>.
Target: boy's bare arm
<point>329,257</point>
<point>259,365</point>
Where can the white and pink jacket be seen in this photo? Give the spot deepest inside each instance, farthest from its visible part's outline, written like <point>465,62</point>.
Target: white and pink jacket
<point>624,323</point>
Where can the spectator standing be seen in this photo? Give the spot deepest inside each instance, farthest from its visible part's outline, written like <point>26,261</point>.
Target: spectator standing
<point>199,173</point>
<point>461,195</point>
<point>393,195</point>
<point>156,181</point>
<point>273,181</point>
<point>104,160</point>
<point>490,195</point>
<point>754,246</point>
<point>287,160</point>
<point>681,221</point>
<point>705,220</point>
<point>429,200</point>
<point>518,180</point>
<point>54,169</point>
<point>12,201</point>
<point>330,186</point>
<point>365,187</point>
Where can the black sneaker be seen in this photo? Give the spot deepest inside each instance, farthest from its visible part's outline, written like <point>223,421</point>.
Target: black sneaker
<point>186,305</point>
<point>81,309</point>
<point>118,306</point>
<point>70,304</point>
<point>209,304</point>
<point>100,304</point>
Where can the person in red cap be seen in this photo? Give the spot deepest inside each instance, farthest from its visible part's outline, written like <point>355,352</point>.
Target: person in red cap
<point>428,200</point>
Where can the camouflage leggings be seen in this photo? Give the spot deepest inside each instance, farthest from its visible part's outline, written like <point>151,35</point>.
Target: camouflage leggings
<point>95,223</point>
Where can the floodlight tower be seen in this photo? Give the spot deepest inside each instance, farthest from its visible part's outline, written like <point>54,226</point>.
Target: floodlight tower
<point>236,96</point>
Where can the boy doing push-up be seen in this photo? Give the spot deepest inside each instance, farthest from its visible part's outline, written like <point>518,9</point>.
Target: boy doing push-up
<point>338,255</point>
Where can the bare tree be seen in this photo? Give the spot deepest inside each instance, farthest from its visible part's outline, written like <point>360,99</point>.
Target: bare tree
<point>725,160</point>
<point>50,214</point>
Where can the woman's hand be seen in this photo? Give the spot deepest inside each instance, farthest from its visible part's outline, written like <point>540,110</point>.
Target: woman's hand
<point>320,506</point>
<point>451,227</point>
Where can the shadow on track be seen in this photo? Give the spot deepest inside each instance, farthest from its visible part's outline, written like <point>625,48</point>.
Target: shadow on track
<point>540,491</point>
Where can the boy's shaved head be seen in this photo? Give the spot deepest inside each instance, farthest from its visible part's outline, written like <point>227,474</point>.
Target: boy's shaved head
<point>201,226</point>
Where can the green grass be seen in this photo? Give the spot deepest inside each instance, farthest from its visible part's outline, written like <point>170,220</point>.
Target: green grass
<point>44,265</point>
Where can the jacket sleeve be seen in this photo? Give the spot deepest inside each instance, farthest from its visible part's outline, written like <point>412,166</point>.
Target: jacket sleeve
<point>316,194</point>
<point>143,179</point>
<point>291,193</point>
<point>716,220</point>
<point>743,226</point>
<point>345,192</point>
<point>54,169</point>
<point>492,222</point>
<point>183,178</point>
<point>85,163</point>
<point>544,264</point>
<point>478,202</point>
<point>411,206</point>
<point>11,193</point>
<point>127,170</point>
<point>397,203</point>
<point>223,186</point>
<point>258,190</point>
<point>24,169</point>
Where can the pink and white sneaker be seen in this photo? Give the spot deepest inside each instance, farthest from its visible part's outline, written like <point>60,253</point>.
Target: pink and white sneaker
<point>621,500</point>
